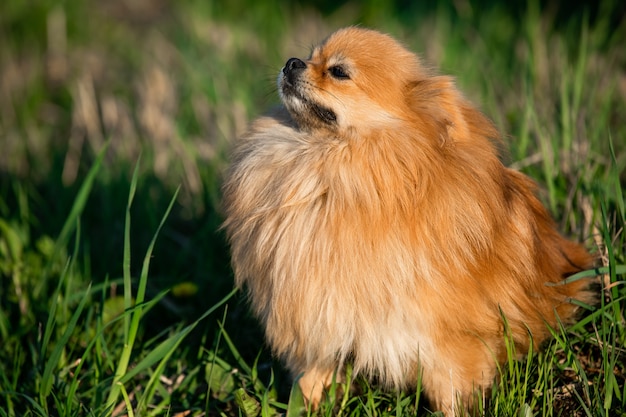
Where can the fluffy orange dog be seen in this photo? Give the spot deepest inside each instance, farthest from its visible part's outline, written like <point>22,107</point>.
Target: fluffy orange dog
<point>372,221</point>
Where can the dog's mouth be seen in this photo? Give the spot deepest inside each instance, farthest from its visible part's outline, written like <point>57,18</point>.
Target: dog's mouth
<point>292,87</point>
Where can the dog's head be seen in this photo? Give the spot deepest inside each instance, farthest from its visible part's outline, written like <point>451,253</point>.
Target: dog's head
<point>356,79</point>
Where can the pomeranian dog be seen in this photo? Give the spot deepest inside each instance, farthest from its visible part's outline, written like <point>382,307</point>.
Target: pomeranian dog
<point>372,222</point>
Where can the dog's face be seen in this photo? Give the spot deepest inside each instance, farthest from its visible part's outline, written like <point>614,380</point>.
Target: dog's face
<point>355,81</point>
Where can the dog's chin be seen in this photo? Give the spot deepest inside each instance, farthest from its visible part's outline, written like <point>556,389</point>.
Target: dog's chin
<point>310,116</point>
<point>307,113</point>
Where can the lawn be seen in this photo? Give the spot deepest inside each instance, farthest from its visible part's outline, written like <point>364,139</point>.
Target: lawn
<point>116,295</point>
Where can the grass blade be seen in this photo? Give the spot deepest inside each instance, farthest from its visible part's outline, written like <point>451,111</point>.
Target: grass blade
<point>128,296</point>
<point>137,314</point>
<point>128,339</point>
<point>170,344</point>
<point>79,203</point>
<point>68,227</point>
<point>295,406</point>
<point>53,361</point>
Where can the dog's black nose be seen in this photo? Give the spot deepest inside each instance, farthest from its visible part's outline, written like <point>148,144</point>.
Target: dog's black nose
<point>293,64</point>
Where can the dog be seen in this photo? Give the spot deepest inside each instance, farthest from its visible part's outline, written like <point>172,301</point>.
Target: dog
<point>373,223</point>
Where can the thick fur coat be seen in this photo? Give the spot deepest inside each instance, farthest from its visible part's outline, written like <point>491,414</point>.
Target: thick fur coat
<point>372,221</point>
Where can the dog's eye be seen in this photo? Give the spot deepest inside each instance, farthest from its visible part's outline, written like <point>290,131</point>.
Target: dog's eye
<point>338,72</point>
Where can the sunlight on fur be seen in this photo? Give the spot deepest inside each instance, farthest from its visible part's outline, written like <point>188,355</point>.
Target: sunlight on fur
<point>372,221</point>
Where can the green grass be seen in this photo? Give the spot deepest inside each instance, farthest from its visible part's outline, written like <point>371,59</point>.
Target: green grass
<point>116,296</point>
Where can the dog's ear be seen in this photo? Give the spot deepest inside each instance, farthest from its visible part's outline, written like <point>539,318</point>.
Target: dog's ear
<point>437,101</point>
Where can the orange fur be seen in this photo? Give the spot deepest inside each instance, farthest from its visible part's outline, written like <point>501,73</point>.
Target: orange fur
<point>371,221</point>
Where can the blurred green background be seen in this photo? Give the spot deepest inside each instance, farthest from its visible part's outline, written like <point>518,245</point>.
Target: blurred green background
<point>177,81</point>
